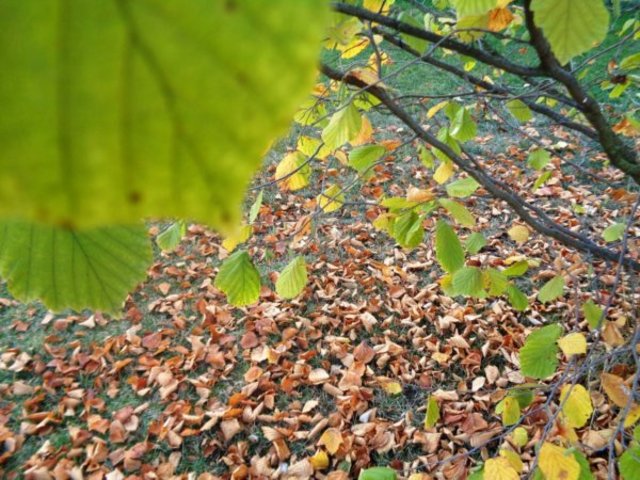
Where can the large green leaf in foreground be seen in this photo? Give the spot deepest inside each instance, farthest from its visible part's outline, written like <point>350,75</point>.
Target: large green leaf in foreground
<point>93,268</point>
<point>114,110</point>
<point>572,27</point>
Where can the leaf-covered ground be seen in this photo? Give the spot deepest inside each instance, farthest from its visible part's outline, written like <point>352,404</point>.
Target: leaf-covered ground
<point>186,386</point>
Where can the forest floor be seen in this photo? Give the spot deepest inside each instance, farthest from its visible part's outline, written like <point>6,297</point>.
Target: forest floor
<point>186,385</point>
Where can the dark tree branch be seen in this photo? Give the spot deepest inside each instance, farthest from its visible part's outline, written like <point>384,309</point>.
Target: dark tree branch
<point>481,55</point>
<point>620,153</point>
<point>542,109</point>
<point>542,223</point>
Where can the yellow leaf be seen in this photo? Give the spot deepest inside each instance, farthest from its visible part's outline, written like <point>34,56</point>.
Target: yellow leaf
<point>293,174</point>
<point>310,145</point>
<point>436,108</point>
<point>392,388</point>
<point>432,414</point>
<point>573,344</point>
<point>354,47</point>
<point>519,233</point>
<point>500,469</point>
<point>499,19</point>
<point>320,460</point>
<point>513,458</point>
<point>443,172</point>
<point>419,195</point>
<point>520,437</point>
<point>378,6</point>
<point>365,135</point>
<point>241,235</point>
<point>331,439</point>
<point>576,405</point>
<point>632,417</point>
<point>615,389</point>
<point>331,199</point>
<point>557,463</point>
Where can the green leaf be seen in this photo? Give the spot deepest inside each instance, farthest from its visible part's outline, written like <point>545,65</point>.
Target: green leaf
<point>468,281</point>
<point>517,299</point>
<point>93,268</point>
<point>524,396</point>
<point>459,212</point>
<point>538,159</point>
<point>343,127</point>
<point>473,7</point>
<point>585,468</point>
<point>432,414</point>
<point>408,230</point>
<point>462,188</point>
<point>551,290</point>
<point>631,62</point>
<point>517,269</point>
<point>293,278</point>
<point>629,463</point>
<point>170,237</point>
<point>463,128</point>
<point>542,179</point>
<point>538,356</point>
<point>239,279</point>
<point>519,110</point>
<point>255,207</point>
<point>571,27</point>
<point>426,156</point>
<point>510,410</point>
<point>475,242</point>
<point>113,111</point>
<point>362,158</point>
<point>417,44</point>
<point>449,251</point>
<point>614,232</point>
<point>378,473</point>
<point>592,313</point>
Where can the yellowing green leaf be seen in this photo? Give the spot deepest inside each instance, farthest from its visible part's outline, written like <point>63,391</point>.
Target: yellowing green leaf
<point>538,356</point>
<point>116,111</point>
<point>510,411</point>
<point>292,173</point>
<point>557,463</point>
<point>331,199</point>
<point>343,126</point>
<point>573,344</point>
<point>458,212</point>
<point>254,211</point>
<point>432,415</point>
<point>551,290</point>
<point>576,405</point>
<point>520,436</point>
<point>519,233</point>
<point>519,110</point>
<point>513,458</point>
<point>239,279</point>
<point>93,268</point>
<point>468,281</point>
<point>170,237</point>
<point>571,27</point>
<point>614,232</point>
<point>473,7</point>
<point>500,469</point>
<point>293,278</point>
